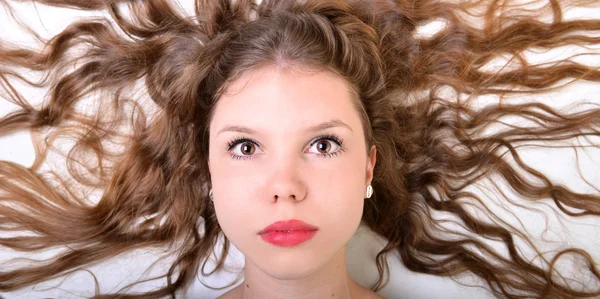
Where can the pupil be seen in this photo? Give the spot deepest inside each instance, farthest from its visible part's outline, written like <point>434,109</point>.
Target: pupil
<point>323,147</point>
<point>247,149</point>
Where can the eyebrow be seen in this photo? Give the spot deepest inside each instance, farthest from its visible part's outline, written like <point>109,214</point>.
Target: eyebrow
<point>322,126</point>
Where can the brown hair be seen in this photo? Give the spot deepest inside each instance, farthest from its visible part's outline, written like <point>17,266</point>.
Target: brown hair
<point>430,148</point>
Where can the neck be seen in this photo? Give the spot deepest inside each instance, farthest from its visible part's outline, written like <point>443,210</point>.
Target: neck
<point>330,281</point>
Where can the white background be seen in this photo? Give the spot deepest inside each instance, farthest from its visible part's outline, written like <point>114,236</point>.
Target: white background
<point>557,164</point>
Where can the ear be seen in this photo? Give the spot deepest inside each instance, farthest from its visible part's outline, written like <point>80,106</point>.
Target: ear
<point>371,160</point>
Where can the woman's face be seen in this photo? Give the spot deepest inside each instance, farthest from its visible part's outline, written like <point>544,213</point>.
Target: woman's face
<point>287,164</point>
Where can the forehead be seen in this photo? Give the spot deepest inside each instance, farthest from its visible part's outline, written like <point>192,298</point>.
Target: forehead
<point>272,98</point>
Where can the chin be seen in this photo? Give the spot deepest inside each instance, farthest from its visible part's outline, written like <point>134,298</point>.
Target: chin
<point>290,266</point>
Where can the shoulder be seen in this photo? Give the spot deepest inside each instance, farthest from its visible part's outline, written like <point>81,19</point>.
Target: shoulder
<point>365,293</point>
<point>372,295</point>
<point>232,294</point>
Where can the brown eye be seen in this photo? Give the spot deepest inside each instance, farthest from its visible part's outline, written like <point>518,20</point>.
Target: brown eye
<point>248,148</point>
<point>323,146</point>
<point>327,146</point>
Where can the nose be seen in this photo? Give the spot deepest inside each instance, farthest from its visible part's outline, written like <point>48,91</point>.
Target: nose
<point>286,181</point>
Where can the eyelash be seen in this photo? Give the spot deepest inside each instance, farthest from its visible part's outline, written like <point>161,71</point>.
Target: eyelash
<point>331,137</point>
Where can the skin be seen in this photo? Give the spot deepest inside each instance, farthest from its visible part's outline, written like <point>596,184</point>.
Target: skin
<point>287,177</point>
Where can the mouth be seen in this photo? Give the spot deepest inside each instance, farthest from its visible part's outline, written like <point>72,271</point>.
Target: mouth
<point>288,233</point>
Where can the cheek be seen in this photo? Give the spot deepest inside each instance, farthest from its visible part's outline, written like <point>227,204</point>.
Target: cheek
<point>344,181</point>
<point>236,222</point>
<point>234,204</point>
<point>341,198</point>
<point>235,189</point>
<point>343,206</point>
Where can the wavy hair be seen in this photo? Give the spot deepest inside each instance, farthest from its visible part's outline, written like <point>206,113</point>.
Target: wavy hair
<point>154,178</point>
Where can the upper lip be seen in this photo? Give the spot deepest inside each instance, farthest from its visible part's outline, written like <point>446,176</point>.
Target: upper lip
<point>289,225</point>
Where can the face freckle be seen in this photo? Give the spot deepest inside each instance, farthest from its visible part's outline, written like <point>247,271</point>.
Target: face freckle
<point>269,138</point>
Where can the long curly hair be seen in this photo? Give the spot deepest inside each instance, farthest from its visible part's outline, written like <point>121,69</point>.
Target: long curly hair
<point>146,152</point>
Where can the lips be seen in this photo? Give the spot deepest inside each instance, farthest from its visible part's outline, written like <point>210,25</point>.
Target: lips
<point>288,233</point>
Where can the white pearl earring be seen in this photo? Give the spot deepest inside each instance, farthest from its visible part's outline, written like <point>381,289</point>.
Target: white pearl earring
<point>369,191</point>
<point>210,195</point>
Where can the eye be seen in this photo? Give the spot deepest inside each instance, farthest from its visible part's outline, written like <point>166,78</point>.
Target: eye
<point>326,146</point>
<point>245,151</point>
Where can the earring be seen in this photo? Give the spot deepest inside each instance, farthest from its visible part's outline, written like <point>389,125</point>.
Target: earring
<point>369,191</point>
<point>210,195</point>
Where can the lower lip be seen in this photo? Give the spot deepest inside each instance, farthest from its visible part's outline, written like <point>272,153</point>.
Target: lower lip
<point>288,239</point>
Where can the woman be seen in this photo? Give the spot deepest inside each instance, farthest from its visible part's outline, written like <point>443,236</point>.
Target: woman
<point>284,125</point>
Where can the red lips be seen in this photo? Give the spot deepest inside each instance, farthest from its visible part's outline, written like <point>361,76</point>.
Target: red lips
<point>288,233</point>
<point>287,226</point>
